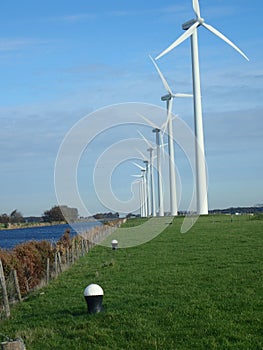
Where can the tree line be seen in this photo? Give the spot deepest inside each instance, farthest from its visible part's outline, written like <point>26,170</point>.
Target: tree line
<point>56,213</point>
<point>14,217</point>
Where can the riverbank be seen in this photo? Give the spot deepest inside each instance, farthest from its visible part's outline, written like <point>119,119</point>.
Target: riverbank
<point>15,226</point>
<point>39,224</point>
<point>29,225</point>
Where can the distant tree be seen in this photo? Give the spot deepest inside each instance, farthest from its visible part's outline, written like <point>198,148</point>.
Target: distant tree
<point>60,213</point>
<point>110,215</point>
<point>4,219</point>
<point>70,214</point>
<point>98,216</point>
<point>54,214</point>
<point>16,217</point>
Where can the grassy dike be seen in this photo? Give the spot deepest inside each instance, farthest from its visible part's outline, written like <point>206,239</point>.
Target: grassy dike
<point>199,290</point>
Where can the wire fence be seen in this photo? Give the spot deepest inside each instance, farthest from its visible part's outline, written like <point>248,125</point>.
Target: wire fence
<point>14,288</point>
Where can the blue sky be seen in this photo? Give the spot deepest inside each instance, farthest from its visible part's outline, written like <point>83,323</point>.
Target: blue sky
<point>60,61</point>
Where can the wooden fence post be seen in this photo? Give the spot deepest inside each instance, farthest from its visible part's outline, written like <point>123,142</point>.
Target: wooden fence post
<point>47,272</point>
<point>17,286</point>
<point>5,295</point>
<point>68,257</point>
<point>59,261</point>
<point>86,246</point>
<point>56,265</point>
<point>82,247</point>
<point>72,254</point>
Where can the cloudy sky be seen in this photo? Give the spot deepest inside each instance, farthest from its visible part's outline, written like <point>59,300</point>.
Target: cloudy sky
<point>61,61</point>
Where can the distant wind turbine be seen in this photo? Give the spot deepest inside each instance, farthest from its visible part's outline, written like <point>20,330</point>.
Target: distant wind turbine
<point>139,181</point>
<point>147,187</point>
<point>159,167</point>
<point>191,30</point>
<point>150,150</point>
<point>152,206</point>
<point>143,201</point>
<point>159,173</point>
<point>169,105</point>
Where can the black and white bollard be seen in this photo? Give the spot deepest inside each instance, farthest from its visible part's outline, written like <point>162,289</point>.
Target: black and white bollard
<point>93,295</point>
<point>114,244</point>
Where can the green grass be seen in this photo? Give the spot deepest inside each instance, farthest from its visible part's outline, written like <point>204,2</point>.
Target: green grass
<point>199,290</point>
<point>133,222</point>
<point>138,232</point>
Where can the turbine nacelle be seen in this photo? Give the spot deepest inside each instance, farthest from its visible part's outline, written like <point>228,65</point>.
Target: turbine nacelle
<point>189,24</point>
<point>167,97</point>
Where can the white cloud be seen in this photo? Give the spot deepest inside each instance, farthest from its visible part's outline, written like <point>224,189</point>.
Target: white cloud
<point>14,44</point>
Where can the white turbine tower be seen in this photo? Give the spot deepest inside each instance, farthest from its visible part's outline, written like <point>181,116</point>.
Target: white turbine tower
<point>147,187</point>
<point>150,150</point>
<point>159,163</point>
<point>191,30</point>
<point>169,105</point>
<point>159,172</point>
<point>143,195</point>
<point>152,205</point>
<point>148,191</point>
<point>145,177</point>
<point>140,182</point>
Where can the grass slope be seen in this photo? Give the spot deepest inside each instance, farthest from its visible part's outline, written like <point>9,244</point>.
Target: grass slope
<point>199,290</point>
<point>131,236</point>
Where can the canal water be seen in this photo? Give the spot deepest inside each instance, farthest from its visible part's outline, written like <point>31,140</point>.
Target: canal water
<point>10,238</point>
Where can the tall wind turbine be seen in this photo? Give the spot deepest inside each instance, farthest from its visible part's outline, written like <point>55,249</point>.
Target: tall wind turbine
<point>169,105</point>
<point>191,30</point>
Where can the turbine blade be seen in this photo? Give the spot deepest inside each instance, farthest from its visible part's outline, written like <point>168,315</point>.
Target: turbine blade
<point>196,8</point>
<point>162,144</point>
<point>136,182</point>
<point>138,166</point>
<point>164,81</point>
<point>169,114</point>
<point>223,37</point>
<point>143,155</point>
<point>182,95</point>
<point>145,139</point>
<point>164,126</point>
<point>148,121</point>
<point>177,42</point>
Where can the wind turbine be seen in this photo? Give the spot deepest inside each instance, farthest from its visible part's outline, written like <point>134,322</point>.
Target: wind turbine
<point>169,105</point>
<point>159,172</point>
<point>147,187</point>
<point>150,150</point>
<point>143,194</point>
<point>191,30</point>
<point>151,173</point>
<point>159,167</point>
<point>148,192</point>
<point>140,182</point>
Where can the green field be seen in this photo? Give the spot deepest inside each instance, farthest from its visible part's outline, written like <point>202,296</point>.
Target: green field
<point>198,290</point>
